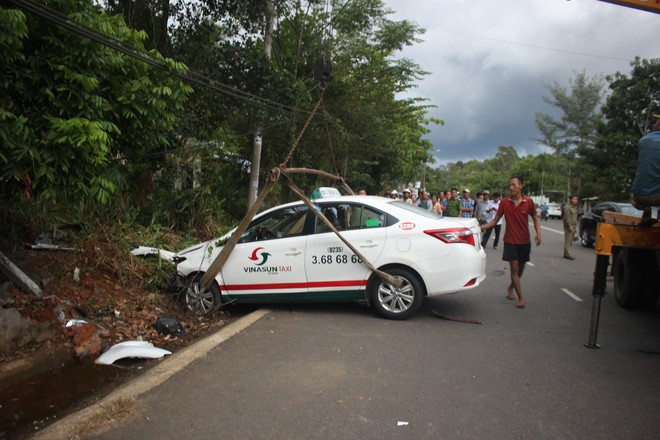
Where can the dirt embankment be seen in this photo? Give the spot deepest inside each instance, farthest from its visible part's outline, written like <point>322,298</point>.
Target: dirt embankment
<point>90,302</point>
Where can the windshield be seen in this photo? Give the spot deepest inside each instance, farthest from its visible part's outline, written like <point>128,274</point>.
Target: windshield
<point>415,209</point>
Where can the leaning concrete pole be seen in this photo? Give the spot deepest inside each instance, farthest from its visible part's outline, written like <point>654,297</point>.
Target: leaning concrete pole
<point>258,135</point>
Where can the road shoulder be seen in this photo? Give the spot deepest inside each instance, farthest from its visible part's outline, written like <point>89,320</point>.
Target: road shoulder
<point>71,425</point>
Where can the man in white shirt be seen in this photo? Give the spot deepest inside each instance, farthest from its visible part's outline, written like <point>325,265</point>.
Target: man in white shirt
<point>407,196</point>
<point>491,210</point>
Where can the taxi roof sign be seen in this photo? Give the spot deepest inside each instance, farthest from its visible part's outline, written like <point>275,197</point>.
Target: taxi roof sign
<point>645,5</point>
<point>323,192</point>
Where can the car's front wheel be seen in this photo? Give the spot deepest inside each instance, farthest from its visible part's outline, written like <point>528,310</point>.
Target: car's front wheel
<point>201,301</point>
<point>397,302</point>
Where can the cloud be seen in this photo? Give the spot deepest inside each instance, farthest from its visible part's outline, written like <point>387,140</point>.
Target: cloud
<point>489,62</point>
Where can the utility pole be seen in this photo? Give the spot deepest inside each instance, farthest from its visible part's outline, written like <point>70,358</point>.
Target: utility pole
<point>254,168</point>
<point>257,141</point>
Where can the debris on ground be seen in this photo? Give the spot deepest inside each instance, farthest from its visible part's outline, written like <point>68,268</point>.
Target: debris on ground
<point>48,343</point>
<point>143,251</point>
<point>168,326</point>
<point>455,318</point>
<point>92,310</point>
<point>131,349</point>
<point>87,339</point>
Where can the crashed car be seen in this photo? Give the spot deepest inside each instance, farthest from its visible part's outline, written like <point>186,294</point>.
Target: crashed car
<point>288,254</point>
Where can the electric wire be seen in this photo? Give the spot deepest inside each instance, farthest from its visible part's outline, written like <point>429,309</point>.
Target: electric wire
<point>81,29</point>
<point>533,46</point>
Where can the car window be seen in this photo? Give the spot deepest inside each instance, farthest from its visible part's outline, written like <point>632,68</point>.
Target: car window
<point>416,209</point>
<point>366,217</point>
<point>286,222</point>
<point>345,216</point>
<point>333,213</point>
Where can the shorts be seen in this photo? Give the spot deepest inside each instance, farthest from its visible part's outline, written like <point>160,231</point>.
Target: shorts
<point>520,252</point>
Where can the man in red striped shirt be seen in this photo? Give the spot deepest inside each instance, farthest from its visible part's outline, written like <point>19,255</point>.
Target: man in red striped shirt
<point>517,243</point>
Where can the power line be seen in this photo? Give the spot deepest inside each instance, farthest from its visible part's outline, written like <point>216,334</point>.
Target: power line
<point>81,29</point>
<point>533,46</point>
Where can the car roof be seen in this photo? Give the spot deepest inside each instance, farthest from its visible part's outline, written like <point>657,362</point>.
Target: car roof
<point>355,198</point>
<point>376,201</point>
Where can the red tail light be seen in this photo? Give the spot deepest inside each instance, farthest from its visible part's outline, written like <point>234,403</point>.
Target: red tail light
<point>453,235</point>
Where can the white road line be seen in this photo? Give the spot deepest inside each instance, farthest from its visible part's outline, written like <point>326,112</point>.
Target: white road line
<point>547,228</point>
<point>529,263</point>
<point>571,294</point>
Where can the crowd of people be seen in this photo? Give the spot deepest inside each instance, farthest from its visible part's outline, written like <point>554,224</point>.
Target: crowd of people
<point>516,208</point>
<point>452,204</point>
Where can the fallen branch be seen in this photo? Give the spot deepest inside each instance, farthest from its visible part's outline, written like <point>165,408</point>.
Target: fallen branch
<point>18,277</point>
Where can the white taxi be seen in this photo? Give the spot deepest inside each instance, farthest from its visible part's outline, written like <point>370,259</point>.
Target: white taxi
<point>288,254</point>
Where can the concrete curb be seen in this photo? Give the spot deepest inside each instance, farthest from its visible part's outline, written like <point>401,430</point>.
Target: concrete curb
<point>68,427</point>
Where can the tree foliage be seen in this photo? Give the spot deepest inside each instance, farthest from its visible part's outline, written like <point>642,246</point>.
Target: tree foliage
<point>575,129</point>
<point>82,122</point>
<point>574,132</point>
<point>363,130</point>
<point>77,118</point>
<point>628,111</point>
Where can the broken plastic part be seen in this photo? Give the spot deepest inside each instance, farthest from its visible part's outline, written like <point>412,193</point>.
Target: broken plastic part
<point>131,349</point>
<point>144,250</point>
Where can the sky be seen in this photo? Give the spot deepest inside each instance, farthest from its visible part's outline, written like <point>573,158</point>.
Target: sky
<point>489,61</point>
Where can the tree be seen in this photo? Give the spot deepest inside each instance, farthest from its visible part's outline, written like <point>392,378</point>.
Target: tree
<point>78,118</point>
<point>363,131</point>
<point>575,131</point>
<point>628,109</point>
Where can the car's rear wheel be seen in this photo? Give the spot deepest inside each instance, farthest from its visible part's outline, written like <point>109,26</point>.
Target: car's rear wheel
<point>201,301</point>
<point>397,303</point>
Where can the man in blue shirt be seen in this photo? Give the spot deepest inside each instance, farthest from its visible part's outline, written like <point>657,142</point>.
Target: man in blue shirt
<point>467,204</point>
<point>646,186</point>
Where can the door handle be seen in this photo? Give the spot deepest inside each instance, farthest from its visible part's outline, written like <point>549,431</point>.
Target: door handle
<point>293,252</point>
<point>369,244</point>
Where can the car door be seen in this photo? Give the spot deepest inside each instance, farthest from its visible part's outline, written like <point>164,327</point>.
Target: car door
<point>268,261</point>
<point>333,270</point>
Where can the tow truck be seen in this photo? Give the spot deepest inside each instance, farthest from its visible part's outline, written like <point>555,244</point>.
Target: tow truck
<point>633,243</point>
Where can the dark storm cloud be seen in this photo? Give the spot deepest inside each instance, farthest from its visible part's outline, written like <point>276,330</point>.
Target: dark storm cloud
<point>489,61</point>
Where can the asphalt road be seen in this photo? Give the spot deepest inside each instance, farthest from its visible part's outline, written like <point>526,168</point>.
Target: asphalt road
<point>340,372</point>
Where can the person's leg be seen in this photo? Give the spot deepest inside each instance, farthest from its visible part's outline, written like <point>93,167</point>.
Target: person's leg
<point>486,236</point>
<point>568,242</point>
<point>516,272</point>
<point>497,235</point>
